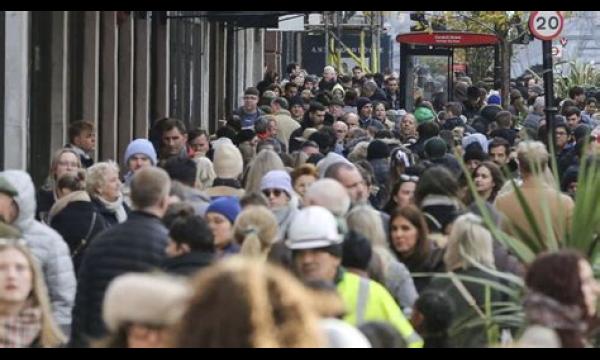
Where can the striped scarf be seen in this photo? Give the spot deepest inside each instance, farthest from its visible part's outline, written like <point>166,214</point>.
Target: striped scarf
<point>21,330</point>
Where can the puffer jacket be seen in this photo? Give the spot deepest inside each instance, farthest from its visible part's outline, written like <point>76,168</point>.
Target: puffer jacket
<point>47,246</point>
<point>137,245</point>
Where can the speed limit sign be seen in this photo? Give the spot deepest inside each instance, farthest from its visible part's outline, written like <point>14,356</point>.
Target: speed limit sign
<point>546,25</point>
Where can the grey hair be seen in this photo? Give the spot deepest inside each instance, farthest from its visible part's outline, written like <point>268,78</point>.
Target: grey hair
<point>96,175</point>
<point>469,242</point>
<point>367,221</point>
<point>330,194</point>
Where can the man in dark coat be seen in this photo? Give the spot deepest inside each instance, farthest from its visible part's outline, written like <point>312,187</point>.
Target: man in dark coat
<point>137,245</point>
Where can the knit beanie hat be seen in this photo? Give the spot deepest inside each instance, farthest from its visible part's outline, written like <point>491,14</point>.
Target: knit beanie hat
<point>140,146</point>
<point>228,206</point>
<point>227,161</point>
<point>361,102</point>
<point>435,148</point>
<point>424,114</point>
<point>377,150</point>
<point>474,152</point>
<point>148,299</point>
<point>494,100</point>
<point>277,179</point>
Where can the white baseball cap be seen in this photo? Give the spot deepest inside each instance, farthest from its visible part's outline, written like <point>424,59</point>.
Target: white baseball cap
<point>312,228</point>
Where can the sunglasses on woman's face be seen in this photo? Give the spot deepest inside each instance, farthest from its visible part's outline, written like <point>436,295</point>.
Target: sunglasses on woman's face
<point>276,192</point>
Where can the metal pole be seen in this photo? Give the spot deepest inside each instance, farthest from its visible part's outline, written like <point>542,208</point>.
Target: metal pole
<point>326,23</point>
<point>549,87</point>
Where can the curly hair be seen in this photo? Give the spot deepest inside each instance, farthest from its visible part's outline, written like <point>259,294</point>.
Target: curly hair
<point>244,303</point>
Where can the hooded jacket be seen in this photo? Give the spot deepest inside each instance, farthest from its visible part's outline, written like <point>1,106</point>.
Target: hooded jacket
<point>47,246</point>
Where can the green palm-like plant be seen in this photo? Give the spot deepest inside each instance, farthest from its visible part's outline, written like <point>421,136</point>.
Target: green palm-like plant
<point>579,73</point>
<point>582,234</point>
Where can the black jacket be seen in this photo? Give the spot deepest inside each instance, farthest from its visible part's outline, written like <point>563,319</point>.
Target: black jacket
<point>109,217</point>
<point>474,336</point>
<point>44,200</point>
<point>75,223</point>
<point>137,245</point>
<point>188,264</point>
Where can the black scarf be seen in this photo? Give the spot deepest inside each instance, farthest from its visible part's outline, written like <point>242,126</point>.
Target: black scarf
<point>233,183</point>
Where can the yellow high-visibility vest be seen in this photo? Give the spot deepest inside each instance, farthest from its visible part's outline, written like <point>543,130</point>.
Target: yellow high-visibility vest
<point>366,300</point>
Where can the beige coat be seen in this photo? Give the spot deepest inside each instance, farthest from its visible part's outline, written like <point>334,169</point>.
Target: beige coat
<point>224,191</point>
<point>286,126</point>
<point>538,197</point>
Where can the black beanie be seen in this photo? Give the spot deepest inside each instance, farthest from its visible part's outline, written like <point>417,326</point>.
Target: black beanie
<point>474,152</point>
<point>377,150</point>
<point>361,102</point>
<point>357,251</point>
<point>435,147</point>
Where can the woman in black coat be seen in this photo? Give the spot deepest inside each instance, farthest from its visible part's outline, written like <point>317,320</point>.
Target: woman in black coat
<point>65,161</point>
<point>74,217</point>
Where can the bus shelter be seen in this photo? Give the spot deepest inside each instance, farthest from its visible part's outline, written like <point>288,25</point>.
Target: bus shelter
<point>427,63</point>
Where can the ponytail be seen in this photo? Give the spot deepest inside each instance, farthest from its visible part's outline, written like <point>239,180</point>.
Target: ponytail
<point>251,245</point>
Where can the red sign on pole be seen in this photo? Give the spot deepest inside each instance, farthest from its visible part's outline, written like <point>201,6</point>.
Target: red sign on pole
<point>546,25</point>
<point>454,39</point>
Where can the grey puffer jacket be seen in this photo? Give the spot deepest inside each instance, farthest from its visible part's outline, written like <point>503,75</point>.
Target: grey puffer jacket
<point>398,281</point>
<point>47,246</point>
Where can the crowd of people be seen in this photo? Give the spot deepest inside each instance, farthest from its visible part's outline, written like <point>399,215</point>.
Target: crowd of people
<point>321,215</point>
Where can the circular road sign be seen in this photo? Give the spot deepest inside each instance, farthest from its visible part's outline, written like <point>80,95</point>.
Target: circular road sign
<point>546,25</point>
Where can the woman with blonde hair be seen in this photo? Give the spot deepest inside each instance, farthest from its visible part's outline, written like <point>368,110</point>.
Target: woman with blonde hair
<point>393,274</point>
<point>265,161</point>
<point>255,230</point>
<point>468,253</point>
<point>25,316</point>
<point>64,161</point>
<point>244,303</point>
<point>205,173</point>
<point>104,187</point>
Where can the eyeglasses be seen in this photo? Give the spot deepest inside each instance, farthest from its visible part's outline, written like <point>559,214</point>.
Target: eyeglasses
<point>276,192</point>
<point>405,177</point>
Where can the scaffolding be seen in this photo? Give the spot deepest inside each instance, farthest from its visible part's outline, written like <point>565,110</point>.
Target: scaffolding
<point>335,24</point>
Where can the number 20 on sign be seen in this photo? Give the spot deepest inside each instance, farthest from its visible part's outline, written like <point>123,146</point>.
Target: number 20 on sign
<point>546,25</point>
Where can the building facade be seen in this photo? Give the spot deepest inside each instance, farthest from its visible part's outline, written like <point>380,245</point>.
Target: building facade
<point>122,71</point>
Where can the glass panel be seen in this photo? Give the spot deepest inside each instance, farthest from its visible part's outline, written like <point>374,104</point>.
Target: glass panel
<point>429,78</point>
